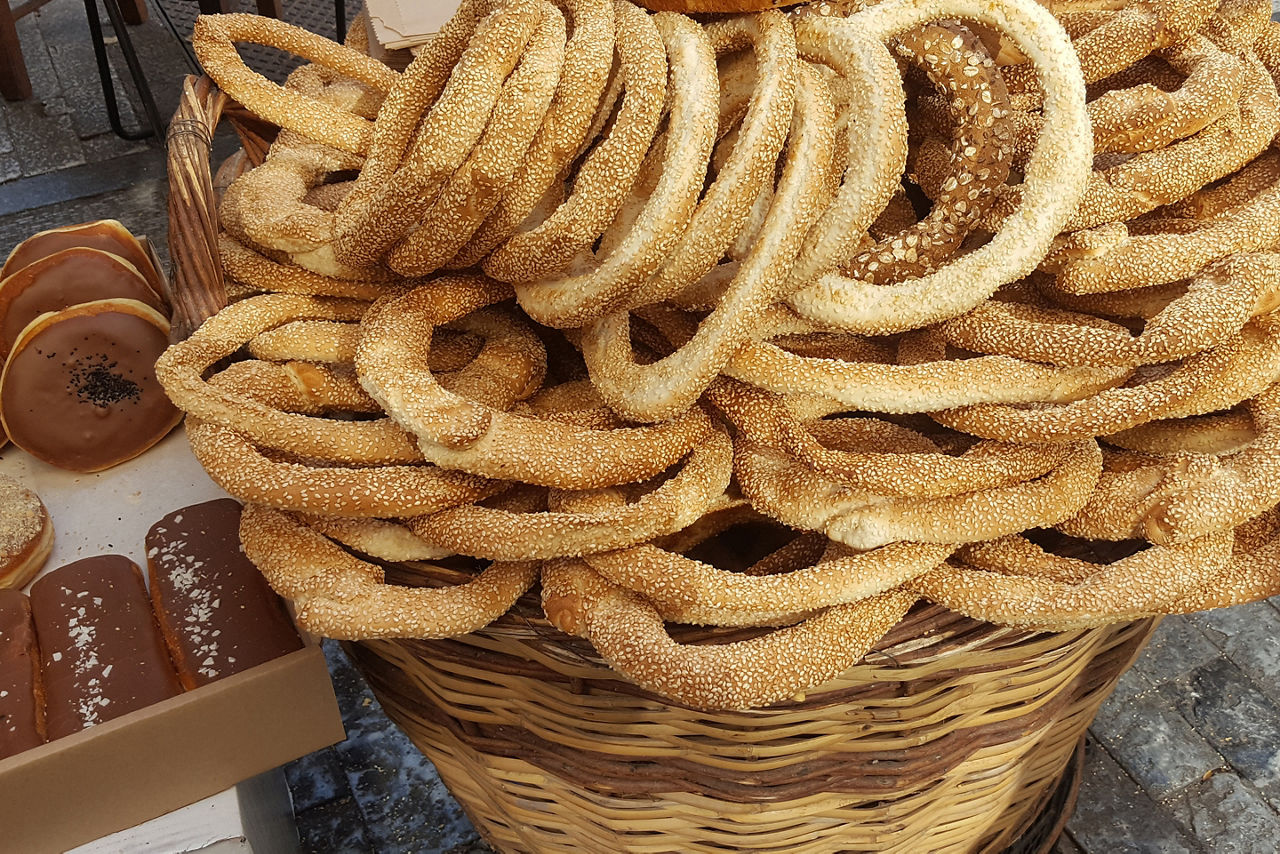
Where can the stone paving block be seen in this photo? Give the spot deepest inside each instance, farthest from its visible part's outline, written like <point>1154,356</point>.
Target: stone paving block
<point>42,142</point>
<point>1227,816</point>
<point>405,805</point>
<point>1237,719</point>
<point>45,85</point>
<point>316,778</point>
<point>1114,816</point>
<point>1250,636</point>
<point>1177,647</point>
<point>65,28</point>
<point>6,141</point>
<point>10,168</point>
<point>1067,845</point>
<point>108,146</point>
<point>335,826</point>
<point>140,207</point>
<point>1154,743</point>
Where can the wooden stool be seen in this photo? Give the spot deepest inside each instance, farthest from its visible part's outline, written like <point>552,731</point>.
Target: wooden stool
<point>15,85</point>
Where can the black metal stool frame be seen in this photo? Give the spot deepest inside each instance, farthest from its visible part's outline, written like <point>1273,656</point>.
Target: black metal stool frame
<point>135,71</point>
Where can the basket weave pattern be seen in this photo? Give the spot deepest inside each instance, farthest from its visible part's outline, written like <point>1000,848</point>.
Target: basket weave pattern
<point>950,736</point>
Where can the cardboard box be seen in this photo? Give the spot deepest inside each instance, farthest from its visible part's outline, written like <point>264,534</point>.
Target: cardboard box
<point>147,763</point>
<point>255,817</point>
<point>152,761</point>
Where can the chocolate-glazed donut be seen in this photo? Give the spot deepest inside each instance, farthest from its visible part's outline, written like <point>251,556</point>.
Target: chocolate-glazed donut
<point>64,279</point>
<point>105,234</point>
<point>79,389</point>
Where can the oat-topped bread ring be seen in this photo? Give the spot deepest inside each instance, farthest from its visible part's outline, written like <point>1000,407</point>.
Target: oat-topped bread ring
<point>213,39</point>
<point>1054,179</point>
<point>977,156</point>
<point>26,533</point>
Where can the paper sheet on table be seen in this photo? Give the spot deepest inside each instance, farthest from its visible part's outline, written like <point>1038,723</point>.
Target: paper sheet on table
<point>398,24</point>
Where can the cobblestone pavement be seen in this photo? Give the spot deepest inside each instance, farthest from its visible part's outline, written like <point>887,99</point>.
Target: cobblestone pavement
<point>1184,757</point>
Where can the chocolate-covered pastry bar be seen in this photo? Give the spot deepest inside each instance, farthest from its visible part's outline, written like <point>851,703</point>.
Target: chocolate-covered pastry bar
<point>21,699</point>
<point>216,611</point>
<point>100,648</point>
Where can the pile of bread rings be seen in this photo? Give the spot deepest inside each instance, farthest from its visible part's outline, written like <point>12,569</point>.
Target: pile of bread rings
<point>775,321</point>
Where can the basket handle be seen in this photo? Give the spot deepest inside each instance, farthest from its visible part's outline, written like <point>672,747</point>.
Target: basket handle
<point>197,289</point>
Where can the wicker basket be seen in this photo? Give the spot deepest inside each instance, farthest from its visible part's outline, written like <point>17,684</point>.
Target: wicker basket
<point>951,736</point>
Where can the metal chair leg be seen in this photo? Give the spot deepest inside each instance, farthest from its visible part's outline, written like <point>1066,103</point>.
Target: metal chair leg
<point>135,70</point>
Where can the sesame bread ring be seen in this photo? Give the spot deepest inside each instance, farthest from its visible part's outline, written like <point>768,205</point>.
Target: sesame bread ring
<point>245,471</point>
<point>1149,179</point>
<point>686,590</point>
<point>607,174</point>
<point>796,495</point>
<point>922,382</point>
<point>26,533</point>
<point>498,534</point>
<point>1062,594</point>
<point>79,389</point>
<point>213,39</point>
<point>433,142</point>
<point>629,634</point>
<point>1250,575</point>
<point>662,389</point>
<point>658,210</point>
<point>869,454</point>
<point>337,595</point>
<point>1218,378</point>
<point>475,187</point>
<point>1217,303</point>
<point>182,368</point>
<point>588,57</point>
<point>1116,40</point>
<point>461,433</point>
<point>1241,215</point>
<point>1245,484</point>
<point>107,235</point>
<point>743,166</point>
<point>65,278</point>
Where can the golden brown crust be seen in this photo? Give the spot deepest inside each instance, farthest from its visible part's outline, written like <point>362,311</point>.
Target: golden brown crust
<point>26,533</point>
